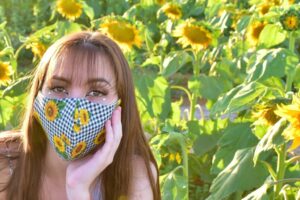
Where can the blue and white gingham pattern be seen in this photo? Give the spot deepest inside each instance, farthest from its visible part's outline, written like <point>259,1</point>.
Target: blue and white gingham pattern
<point>99,114</point>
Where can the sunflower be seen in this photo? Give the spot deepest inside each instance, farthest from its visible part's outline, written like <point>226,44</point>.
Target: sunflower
<point>70,9</point>
<point>291,113</point>
<point>173,11</point>
<point>290,20</point>
<point>76,128</point>
<point>5,72</point>
<point>122,32</point>
<point>38,49</point>
<point>78,149</point>
<point>254,31</point>
<point>161,2</point>
<point>265,115</point>
<point>51,110</point>
<point>100,137</point>
<point>264,8</point>
<point>59,144</point>
<point>84,117</point>
<point>65,139</point>
<point>193,34</point>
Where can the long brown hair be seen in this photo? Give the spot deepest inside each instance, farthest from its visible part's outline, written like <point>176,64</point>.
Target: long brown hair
<point>116,177</point>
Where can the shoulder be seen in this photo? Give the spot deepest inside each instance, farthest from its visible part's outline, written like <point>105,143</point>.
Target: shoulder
<point>9,150</point>
<point>140,186</point>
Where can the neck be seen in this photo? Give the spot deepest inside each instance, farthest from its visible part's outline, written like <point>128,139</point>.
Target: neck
<point>55,167</point>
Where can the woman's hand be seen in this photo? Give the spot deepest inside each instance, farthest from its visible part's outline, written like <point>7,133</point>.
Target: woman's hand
<point>81,173</point>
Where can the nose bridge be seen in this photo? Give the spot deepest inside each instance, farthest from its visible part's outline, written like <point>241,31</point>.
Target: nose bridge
<point>77,92</point>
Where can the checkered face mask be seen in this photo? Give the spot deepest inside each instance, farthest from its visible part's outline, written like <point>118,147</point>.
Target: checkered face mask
<point>74,126</point>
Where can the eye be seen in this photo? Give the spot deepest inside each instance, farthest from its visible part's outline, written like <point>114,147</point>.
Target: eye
<point>58,89</point>
<point>97,93</point>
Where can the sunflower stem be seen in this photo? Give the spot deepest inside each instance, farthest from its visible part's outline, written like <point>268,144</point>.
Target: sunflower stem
<point>281,167</point>
<point>290,76</point>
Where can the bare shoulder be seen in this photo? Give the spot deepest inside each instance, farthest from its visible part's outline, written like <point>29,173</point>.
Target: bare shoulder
<point>9,149</point>
<point>140,187</point>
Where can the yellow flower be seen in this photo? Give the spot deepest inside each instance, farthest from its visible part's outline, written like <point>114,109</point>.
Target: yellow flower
<point>125,34</point>
<point>254,31</point>
<point>70,9</point>
<point>51,110</point>
<point>65,139</point>
<point>76,128</point>
<point>290,20</point>
<point>5,72</point>
<point>37,48</point>
<point>100,137</point>
<point>178,158</point>
<point>76,114</point>
<point>84,117</point>
<point>291,113</point>
<point>265,115</point>
<point>173,11</point>
<point>58,143</point>
<point>161,2</point>
<point>172,157</point>
<point>191,34</point>
<point>78,149</point>
<point>264,8</point>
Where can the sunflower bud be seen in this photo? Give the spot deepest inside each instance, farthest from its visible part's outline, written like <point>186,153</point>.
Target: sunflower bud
<point>290,20</point>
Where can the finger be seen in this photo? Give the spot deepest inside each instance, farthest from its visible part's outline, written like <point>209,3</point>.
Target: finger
<point>117,124</point>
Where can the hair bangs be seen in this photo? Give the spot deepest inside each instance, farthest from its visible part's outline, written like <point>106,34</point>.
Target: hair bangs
<point>82,62</point>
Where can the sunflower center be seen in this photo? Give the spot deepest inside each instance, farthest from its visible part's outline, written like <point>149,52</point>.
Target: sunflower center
<point>196,35</point>
<point>173,11</point>
<point>291,21</point>
<point>121,32</point>
<point>257,30</point>
<point>50,111</point>
<point>78,149</point>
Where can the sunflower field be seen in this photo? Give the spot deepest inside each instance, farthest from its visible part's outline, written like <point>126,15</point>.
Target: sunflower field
<point>216,83</point>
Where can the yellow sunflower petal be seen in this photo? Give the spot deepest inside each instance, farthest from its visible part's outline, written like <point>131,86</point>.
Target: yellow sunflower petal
<point>70,9</point>
<point>173,11</point>
<point>125,34</point>
<point>58,143</point>
<point>254,31</point>
<point>295,144</point>
<point>198,37</point>
<point>5,73</point>
<point>76,128</point>
<point>51,110</point>
<point>84,117</point>
<point>65,139</point>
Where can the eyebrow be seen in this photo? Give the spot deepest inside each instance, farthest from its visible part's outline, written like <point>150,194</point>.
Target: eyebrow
<point>90,81</point>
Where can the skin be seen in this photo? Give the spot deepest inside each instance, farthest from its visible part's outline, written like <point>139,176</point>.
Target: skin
<point>74,180</point>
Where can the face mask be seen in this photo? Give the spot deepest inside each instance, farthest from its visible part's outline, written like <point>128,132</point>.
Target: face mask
<point>74,126</point>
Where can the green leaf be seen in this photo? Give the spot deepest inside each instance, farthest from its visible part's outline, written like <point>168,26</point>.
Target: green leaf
<point>234,137</point>
<point>201,84</point>
<point>17,88</point>
<point>271,139</point>
<point>271,35</point>
<point>260,193</point>
<point>239,175</point>
<point>267,63</point>
<point>89,11</point>
<point>174,61</point>
<point>239,98</point>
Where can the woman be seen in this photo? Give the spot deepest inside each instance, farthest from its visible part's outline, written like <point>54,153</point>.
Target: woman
<point>82,92</point>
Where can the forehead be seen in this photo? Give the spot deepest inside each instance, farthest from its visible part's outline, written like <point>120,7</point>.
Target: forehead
<point>79,64</point>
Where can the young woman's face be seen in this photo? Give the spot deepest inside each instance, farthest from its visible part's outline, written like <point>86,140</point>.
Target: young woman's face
<point>74,78</point>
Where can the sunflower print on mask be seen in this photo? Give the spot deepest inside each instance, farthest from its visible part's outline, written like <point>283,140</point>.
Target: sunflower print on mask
<point>51,110</point>
<point>78,149</point>
<point>84,117</point>
<point>100,137</point>
<point>59,144</point>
